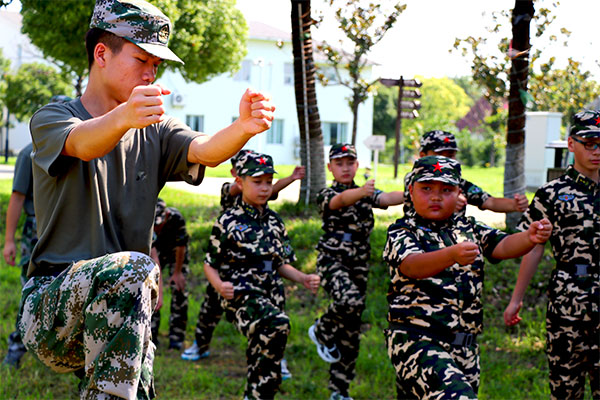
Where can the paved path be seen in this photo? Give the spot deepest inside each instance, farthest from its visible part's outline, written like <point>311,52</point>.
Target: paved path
<point>212,186</point>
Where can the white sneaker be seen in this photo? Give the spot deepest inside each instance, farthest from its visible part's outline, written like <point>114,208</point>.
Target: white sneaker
<point>328,354</point>
<point>285,372</point>
<point>193,353</point>
<point>338,396</point>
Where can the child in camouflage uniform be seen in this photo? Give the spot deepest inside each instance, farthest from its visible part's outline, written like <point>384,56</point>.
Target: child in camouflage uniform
<point>171,245</point>
<point>442,143</point>
<point>435,260</point>
<point>248,253</point>
<point>210,310</point>
<point>572,204</point>
<point>344,251</point>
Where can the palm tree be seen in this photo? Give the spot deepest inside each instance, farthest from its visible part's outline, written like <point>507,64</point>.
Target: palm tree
<point>311,136</point>
<point>514,174</point>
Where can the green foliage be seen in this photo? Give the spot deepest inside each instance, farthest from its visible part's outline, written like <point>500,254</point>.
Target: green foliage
<point>210,36</point>
<point>31,87</point>
<point>4,68</point>
<point>364,24</point>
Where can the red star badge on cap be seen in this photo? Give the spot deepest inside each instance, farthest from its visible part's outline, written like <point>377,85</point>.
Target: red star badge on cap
<point>437,167</point>
<point>597,121</point>
<point>262,161</point>
<point>446,140</point>
<point>344,148</point>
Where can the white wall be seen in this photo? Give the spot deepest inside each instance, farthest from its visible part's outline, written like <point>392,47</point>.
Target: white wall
<point>540,129</point>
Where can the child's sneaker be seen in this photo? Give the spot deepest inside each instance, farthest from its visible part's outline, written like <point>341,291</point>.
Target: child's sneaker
<point>339,396</point>
<point>193,353</point>
<point>16,350</point>
<point>285,372</point>
<point>328,354</point>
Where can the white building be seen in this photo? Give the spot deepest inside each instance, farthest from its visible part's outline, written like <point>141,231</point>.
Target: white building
<point>210,106</point>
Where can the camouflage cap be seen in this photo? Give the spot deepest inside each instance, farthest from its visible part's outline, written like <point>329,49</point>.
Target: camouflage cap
<point>340,150</point>
<point>137,21</point>
<point>437,168</point>
<point>438,141</point>
<point>586,124</point>
<point>238,157</point>
<point>255,164</point>
<point>160,213</point>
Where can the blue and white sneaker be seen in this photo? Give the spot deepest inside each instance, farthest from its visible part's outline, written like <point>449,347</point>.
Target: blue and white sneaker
<point>193,353</point>
<point>285,372</point>
<point>328,354</point>
<point>339,396</point>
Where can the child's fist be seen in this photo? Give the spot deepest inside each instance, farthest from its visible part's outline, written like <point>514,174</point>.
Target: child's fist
<point>461,203</point>
<point>511,314</point>
<point>298,173</point>
<point>226,290</point>
<point>540,231</point>
<point>312,282</point>
<point>521,202</point>
<point>465,253</point>
<point>369,188</point>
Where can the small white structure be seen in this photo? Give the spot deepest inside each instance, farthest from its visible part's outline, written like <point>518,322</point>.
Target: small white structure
<point>541,128</point>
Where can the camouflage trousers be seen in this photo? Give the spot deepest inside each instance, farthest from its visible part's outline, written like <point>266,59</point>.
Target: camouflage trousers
<point>267,328</point>
<point>208,318</point>
<point>573,335</point>
<point>346,284</point>
<point>179,309</point>
<point>430,369</point>
<point>96,315</point>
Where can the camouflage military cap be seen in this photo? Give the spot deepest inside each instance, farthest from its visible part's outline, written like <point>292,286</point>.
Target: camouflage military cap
<point>255,164</point>
<point>340,150</point>
<point>437,168</point>
<point>438,141</point>
<point>586,124</point>
<point>137,21</point>
<point>239,157</point>
<point>160,212</point>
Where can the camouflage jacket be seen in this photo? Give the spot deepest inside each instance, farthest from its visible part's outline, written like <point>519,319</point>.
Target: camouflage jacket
<point>172,235</point>
<point>450,300</point>
<point>347,229</point>
<point>247,247</point>
<point>572,204</point>
<point>474,194</point>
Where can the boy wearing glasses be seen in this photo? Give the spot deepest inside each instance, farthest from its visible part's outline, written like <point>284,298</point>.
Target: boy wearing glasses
<point>572,204</point>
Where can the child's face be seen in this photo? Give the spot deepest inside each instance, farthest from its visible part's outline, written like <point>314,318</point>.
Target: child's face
<point>434,200</point>
<point>343,169</point>
<point>586,161</point>
<point>446,153</point>
<point>256,190</point>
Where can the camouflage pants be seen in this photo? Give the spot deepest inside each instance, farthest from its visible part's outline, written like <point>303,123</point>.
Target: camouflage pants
<point>208,318</point>
<point>346,284</point>
<point>573,335</point>
<point>429,369</point>
<point>96,315</point>
<point>267,328</point>
<point>179,310</point>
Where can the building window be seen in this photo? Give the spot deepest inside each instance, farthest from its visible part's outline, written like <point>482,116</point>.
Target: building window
<point>334,132</point>
<point>288,74</point>
<point>243,75</point>
<point>275,134</point>
<point>196,122</point>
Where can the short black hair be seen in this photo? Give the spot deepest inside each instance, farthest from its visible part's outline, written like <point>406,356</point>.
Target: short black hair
<point>97,35</point>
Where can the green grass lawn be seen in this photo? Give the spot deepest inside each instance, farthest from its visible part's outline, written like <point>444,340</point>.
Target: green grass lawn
<point>513,363</point>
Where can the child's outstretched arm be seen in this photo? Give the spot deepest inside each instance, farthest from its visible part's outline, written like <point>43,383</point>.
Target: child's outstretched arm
<point>521,243</point>
<point>282,183</point>
<point>391,198</point>
<point>502,204</point>
<point>351,196</point>
<point>528,267</point>
<point>225,289</point>
<point>310,281</point>
<point>425,265</point>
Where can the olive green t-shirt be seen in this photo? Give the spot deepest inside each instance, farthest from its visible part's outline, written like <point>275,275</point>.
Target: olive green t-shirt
<point>86,209</point>
<point>23,180</point>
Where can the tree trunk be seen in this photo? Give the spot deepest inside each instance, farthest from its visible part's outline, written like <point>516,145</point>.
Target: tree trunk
<point>354,105</point>
<point>312,157</point>
<point>514,177</point>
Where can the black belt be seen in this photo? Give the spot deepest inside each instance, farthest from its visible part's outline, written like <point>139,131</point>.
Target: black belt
<point>461,339</point>
<point>577,269</point>
<point>345,236</point>
<point>262,266</point>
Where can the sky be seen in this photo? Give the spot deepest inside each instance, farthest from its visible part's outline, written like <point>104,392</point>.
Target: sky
<point>418,43</point>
